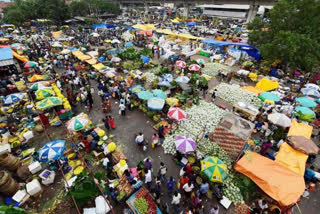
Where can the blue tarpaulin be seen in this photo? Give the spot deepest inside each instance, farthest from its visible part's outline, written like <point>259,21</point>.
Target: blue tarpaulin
<point>145,59</point>
<point>128,44</point>
<point>252,51</point>
<point>102,58</point>
<point>190,24</point>
<point>5,53</point>
<point>95,26</point>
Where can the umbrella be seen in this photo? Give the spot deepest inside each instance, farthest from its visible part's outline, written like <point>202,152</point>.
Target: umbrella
<point>156,103</point>
<point>56,45</point>
<point>200,61</point>
<point>115,41</point>
<point>39,85</point>
<point>52,150</point>
<point>128,44</point>
<point>49,102</point>
<point>165,80</point>
<point>182,79</point>
<point>306,102</point>
<point>311,92</point>
<point>44,92</point>
<point>108,41</point>
<point>304,110</point>
<point>115,59</point>
<point>191,24</point>
<point>78,122</point>
<point>35,78</point>
<point>181,64</point>
<point>247,63</point>
<point>30,64</point>
<point>269,96</point>
<point>159,94</point>
<point>145,95</point>
<point>194,67</point>
<point>171,101</point>
<point>280,119</point>
<point>12,98</point>
<point>102,58</point>
<point>304,145</point>
<point>214,169</point>
<point>94,35</point>
<point>312,86</point>
<point>177,113</point>
<point>145,59</point>
<point>185,144</point>
<point>135,89</point>
<point>65,51</point>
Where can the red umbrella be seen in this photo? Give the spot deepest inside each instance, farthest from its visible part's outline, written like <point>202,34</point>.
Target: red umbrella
<point>177,113</point>
<point>181,64</point>
<point>194,67</point>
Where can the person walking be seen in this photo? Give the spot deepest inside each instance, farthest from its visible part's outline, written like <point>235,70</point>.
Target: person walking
<point>111,122</point>
<point>122,109</point>
<point>214,209</point>
<point>188,187</point>
<point>148,178</point>
<point>170,184</point>
<point>176,201</point>
<point>163,171</point>
<point>106,123</point>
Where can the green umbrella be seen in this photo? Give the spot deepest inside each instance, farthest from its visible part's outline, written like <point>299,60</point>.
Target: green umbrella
<point>49,102</point>
<point>159,93</point>
<point>214,169</point>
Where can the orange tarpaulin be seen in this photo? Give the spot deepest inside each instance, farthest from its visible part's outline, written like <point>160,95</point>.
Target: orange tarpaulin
<point>19,57</point>
<point>292,159</point>
<point>300,129</point>
<point>279,182</point>
<point>252,89</point>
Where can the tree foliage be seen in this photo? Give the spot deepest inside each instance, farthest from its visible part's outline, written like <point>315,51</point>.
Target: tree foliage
<point>55,10</point>
<point>291,34</point>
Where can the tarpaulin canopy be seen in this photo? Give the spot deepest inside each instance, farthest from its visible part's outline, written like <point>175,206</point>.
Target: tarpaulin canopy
<point>165,31</point>
<point>304,145</point>
<point>92,61</point>
<point>267,85</point>
<point>95,26</point>
<point>252,89</point>
<point>292,159</point>
<point>19,57</point>
<point>98,66</point>
<point>279,182</point>
<point>252,51</point>
<point>6,57</point>
<point>56,34</point>
<point>300,129</point>
<point>144,27</point>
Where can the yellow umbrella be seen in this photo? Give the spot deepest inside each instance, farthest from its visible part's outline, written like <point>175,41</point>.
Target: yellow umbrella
<point>48,102</point>
<point>214,169</point>
<point>171,101</point>
<point>35,78</point>
<point>43,93</point>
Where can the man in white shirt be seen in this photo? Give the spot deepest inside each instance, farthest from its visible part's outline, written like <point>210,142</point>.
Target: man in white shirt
<point>148,178</point>
<point>139,138</point>
<point>176,201</point>
<point>188,187</point>
<point>122,108</point>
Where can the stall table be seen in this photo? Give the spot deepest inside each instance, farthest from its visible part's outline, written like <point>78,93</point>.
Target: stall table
<point>247,113</point>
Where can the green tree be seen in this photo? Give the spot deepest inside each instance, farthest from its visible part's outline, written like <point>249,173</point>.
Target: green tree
<point>291,34</point>
<point>79,8</point>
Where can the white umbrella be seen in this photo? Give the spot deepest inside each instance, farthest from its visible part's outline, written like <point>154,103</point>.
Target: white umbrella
<point>280,119</point>
<point>115,41</point>
<point>94,34</point>
<point>311,85</point>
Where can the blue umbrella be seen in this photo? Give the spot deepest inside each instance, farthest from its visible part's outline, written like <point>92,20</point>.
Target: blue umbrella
<point>165,80</point>
<point>182,79</point>
<point>156,103</point>
<point>159,94</point>
<point>52,150</point>
<point>12,98</point>
<point>145,95</point>
<point>73,49</point>
<point>269,96</point>
<point>311,92</point>
<point>102,58</point>
<point>145,59</point>
<point>128,44</point>
<point>306,102</point>
<point>304,110</point>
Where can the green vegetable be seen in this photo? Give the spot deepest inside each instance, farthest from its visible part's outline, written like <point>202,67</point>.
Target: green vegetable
<point>142,205</point>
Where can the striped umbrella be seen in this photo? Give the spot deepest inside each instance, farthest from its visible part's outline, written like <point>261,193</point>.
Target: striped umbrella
<point>181,64</point>
<point>52,150</point>
<point>30,64</point>
<point>194,67</point>
<point>12,98</point>
<point>185,144</point>
<point>78,122</point>
<point>177,113</point>
<point>214,169</point>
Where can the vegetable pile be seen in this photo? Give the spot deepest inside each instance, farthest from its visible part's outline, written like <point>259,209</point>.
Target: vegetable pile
<point>142,205</point>
<point>144,202</point>
<point>212,69</point>
<point>233,94</point>
<point>201,119</point>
